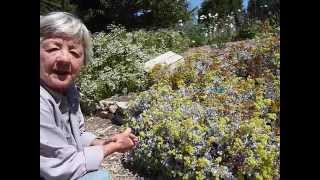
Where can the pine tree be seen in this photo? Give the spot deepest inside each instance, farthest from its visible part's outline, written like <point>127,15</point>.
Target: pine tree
<point>263,9</point>
<point>97,14</point>
<point>164,13</point>
<point>47,6</point>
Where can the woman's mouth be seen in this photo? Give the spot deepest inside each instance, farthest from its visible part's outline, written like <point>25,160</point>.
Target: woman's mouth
<point>60,72</point>
<point>61,75</point>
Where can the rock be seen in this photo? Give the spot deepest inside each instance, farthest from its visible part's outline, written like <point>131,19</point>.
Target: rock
<point>113,108</point>
<point>123,105</point>
<point>105,115</point>
<point>103,105</point>
<point>107,102</point>
<point>169,58</point>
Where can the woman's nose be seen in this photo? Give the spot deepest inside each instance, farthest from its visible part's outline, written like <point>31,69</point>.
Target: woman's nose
<point>63,57</point>
<point>63,61</point>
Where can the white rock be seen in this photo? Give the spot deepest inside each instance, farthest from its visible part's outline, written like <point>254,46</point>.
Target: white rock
<point>122,105</point>
<point>113,108</point>
<point>169,58</point>
<point>104,104</point>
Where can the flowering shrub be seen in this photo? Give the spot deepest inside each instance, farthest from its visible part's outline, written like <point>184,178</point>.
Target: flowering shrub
<point>252,28</point>
<point>119,58</point>
<point>117,68</point>
<point>161,41</point>
<point>208,120</point>
<point>211,29</point>
<point>196,33</point>
<point>215,29</point>
<point>218,29</point>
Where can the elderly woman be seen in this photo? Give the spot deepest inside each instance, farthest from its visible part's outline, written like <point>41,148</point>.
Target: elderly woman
<point>67,151</point>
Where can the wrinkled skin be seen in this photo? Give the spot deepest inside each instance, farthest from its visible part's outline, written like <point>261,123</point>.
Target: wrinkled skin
<point>61,59</point>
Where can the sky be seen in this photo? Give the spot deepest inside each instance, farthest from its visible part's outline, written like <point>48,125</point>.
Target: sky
<point>194,3</point>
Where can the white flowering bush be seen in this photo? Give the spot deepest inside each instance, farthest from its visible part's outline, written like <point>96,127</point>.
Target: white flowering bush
<point>194,32</point>
<point>118,62</point>
<point>208,120</point>
<point>117,68</point>
<point>211,29</point>
<point>217,29</point>
<point>156,42</point>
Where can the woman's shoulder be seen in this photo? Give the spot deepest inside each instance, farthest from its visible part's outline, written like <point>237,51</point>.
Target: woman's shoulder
<point>46,98</point>
<point>44,93</point>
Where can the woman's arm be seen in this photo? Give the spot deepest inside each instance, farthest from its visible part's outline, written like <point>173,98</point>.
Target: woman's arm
<point>59,159</point>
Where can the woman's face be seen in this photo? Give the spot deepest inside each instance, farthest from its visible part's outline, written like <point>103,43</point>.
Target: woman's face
<point>61,59</point>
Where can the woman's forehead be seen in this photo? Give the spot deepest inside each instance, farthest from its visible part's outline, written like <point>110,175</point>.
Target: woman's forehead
<point>63,38</point>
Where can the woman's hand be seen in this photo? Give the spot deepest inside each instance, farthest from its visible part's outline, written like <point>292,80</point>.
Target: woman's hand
<point>101,142</point>
<point>98,142</point>
<point>125,140</point>
<point>121,142</point>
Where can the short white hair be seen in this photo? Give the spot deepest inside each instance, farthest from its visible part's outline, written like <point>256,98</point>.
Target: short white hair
<point>63,23</point>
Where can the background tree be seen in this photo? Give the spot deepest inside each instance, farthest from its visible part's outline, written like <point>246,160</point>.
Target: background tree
<point>263,9</point>
<point>164,13</point>
<point>223,8</point>
<point>97,14</point>
<point>47,6</point>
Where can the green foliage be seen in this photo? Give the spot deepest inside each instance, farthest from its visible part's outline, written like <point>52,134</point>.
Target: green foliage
<point>119,58</point>
<point>161,40</point>
<point>47,6</point>
<point>211,30</point>
<point>117,68</point>
<point>222,7</point>
<point>264,9</point>
<point>196,33</point>
<point>131,14</point>
<point>254,28</point>
<point>165,13</point>
<point>97,14</point>
<point>213,118</point>
<point>247,31</point>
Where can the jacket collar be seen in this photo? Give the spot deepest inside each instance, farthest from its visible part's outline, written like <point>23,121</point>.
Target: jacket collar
<point>70,100</point>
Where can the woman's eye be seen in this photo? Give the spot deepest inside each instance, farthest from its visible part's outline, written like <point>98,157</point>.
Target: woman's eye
<point>75,54</point>
<point>52,49</point>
